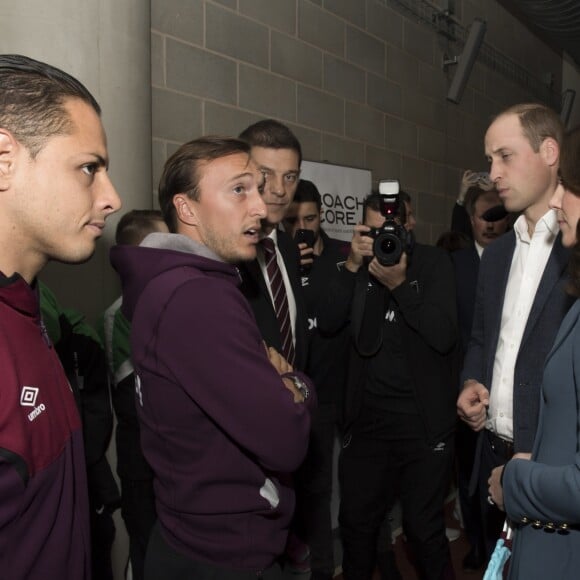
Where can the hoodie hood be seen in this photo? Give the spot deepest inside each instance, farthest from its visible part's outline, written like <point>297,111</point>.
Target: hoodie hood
<point>158,253</point>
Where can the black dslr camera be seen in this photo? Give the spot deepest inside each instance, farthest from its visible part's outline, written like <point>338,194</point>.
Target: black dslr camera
<point>392,239</point>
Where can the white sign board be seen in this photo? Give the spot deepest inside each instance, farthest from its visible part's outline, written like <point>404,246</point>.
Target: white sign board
<point>343,190</point>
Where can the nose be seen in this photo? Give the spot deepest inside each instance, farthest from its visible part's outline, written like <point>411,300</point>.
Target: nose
<point>556,199</point>
<point>275,185</point>
<point>257,205</point>
<point>494,171</point>
<point>107,198</point>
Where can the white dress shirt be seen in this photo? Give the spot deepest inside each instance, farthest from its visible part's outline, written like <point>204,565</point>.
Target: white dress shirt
<point>528,264</point>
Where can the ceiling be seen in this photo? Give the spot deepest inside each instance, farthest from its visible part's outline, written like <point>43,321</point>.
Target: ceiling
<point>556,21</point>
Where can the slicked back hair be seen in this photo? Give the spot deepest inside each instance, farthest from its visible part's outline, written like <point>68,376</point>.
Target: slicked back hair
<point>182,170</point>
<point>33,95</point>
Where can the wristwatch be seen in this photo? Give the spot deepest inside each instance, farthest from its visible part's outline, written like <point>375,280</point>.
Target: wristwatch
<point>300,385</point>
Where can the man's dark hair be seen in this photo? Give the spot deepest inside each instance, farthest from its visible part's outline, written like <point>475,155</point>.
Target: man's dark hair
<point>182,170</point>
<point>307,192</point>
<point>271,134</point>
<point>135,225</point>
<point>374,201</point>
<point>32,100</point>
<point>474,193</point>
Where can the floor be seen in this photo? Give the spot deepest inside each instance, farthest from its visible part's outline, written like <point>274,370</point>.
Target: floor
<point>459,549</point>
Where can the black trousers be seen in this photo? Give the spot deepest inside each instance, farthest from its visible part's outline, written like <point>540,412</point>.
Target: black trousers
<point>465,446</point>
<point>374,468</point>
<point>102,538</point>
<point>138,512</point>
<point>314,491</point>
<point>162,562</point>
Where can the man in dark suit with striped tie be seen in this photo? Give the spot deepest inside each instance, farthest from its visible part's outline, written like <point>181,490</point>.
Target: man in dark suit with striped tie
<point>271,283</point>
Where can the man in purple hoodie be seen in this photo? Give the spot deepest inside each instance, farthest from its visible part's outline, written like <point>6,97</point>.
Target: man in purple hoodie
<point>55,195</point>
<point>224,420</point>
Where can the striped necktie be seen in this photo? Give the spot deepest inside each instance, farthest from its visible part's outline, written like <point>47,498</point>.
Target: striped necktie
<point>280,299</point>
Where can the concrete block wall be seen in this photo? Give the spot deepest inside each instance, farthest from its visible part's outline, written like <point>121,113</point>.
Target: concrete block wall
<point>360,83</point>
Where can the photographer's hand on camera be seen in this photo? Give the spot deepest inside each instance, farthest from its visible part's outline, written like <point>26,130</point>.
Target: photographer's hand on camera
<point>389,276</point>
<point>360,246</point>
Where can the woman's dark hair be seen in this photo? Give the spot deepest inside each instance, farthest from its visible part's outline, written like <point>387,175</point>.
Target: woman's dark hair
<point>569,171</point>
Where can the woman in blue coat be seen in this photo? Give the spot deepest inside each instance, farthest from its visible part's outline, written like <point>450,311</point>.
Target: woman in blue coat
<point>541,493</point>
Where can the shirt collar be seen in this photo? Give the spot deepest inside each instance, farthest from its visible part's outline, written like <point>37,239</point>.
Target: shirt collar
<point>547,225</point>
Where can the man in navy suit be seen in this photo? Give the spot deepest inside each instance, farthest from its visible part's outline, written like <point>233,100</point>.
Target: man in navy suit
<point>466,261</point>
<point>520,298</point>
<point>478,201</point>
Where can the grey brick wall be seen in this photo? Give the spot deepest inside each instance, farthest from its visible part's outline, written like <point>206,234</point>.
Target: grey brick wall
<point>360,83</point>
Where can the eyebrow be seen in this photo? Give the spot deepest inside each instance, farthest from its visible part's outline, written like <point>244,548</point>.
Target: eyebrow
<point>241,176</point>
<point>262,183</point>
<point>266,169</point>
<point>499,150</point>
<point>100,160</point>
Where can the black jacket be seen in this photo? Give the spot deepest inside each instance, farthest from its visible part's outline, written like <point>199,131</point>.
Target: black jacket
<point>426,302</point>
<point>328,352</point>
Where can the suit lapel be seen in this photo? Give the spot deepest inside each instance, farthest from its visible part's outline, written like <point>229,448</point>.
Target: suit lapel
<point>498,288</point>
<point>553,272</point>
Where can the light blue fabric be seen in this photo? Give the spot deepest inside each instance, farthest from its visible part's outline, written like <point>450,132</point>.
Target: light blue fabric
<point>497,561</point>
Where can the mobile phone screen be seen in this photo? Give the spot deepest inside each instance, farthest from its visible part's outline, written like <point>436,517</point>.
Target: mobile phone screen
<point>304,237</point>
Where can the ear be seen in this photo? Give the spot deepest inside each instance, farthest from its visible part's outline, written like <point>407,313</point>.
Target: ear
<point>184,209</point>
<point>550,151</point>
<point>8,151</point>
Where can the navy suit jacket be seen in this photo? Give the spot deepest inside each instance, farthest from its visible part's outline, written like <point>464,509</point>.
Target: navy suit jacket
<point>548,310</point>
<point>255,290</point>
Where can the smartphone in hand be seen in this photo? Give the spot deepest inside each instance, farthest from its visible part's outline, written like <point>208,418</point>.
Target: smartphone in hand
<point>304,237</point>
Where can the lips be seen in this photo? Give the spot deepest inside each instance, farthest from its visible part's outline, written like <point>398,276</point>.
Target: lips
<point>97,227</point>
<point>253,234</point>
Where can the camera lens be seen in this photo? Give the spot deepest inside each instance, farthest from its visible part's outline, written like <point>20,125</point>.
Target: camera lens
<point>388,245</point>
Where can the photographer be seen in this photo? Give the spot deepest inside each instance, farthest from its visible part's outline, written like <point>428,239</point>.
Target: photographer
<point>400,396</point>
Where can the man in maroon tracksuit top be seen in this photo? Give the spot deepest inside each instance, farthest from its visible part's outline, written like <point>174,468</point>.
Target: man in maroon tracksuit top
<point>54,198</point>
